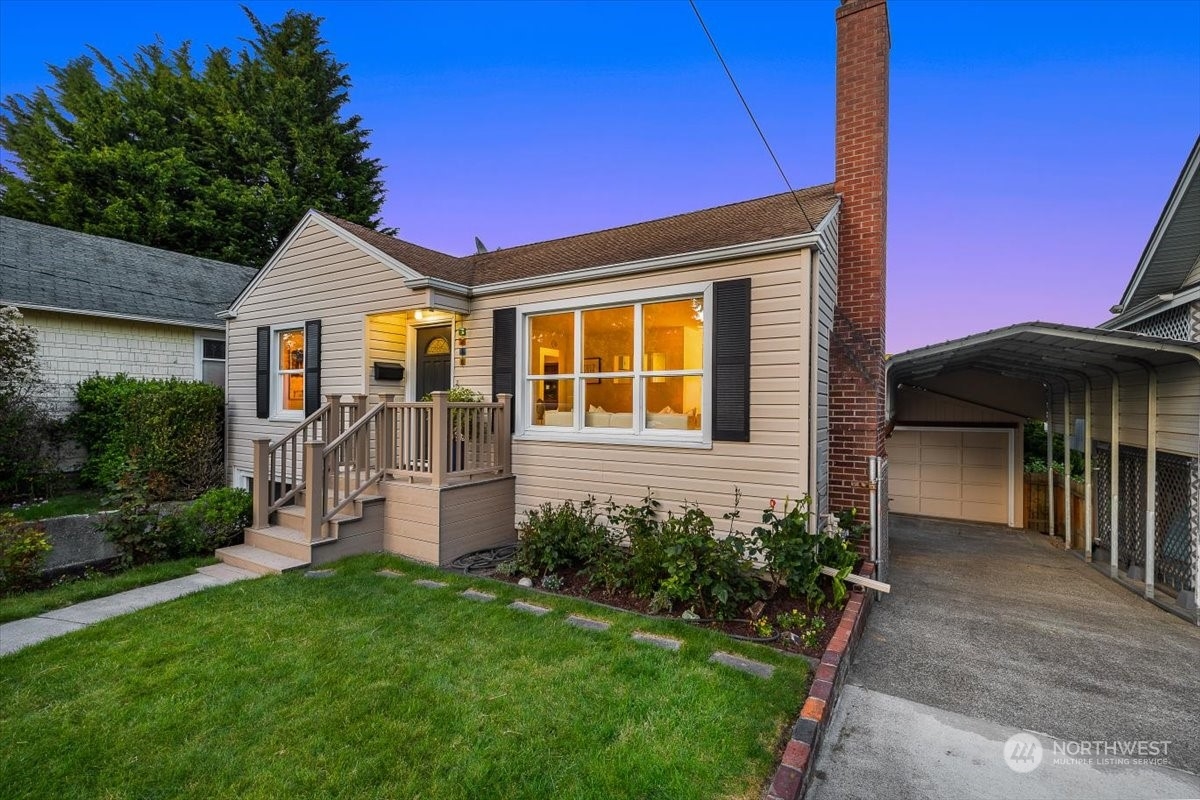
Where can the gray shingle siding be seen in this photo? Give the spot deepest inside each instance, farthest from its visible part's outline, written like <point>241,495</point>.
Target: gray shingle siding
<point>48,267</point>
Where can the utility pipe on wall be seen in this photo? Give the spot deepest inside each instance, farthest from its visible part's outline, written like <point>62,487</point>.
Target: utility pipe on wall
<point>1066,466</point>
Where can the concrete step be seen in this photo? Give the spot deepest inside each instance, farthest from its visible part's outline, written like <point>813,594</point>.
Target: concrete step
<point>226,573</point>
<point>257,560</point>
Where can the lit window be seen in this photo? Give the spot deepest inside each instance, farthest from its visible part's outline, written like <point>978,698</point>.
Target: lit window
<point>289,365</point>
<point>636,369</point>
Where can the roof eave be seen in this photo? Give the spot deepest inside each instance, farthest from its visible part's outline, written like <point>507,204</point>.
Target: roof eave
<point>89,312</point>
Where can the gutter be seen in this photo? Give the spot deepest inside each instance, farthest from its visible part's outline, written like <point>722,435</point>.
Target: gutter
<point>83,312</point>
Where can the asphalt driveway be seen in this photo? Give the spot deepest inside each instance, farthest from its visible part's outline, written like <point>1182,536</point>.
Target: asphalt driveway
<point>989,632</point>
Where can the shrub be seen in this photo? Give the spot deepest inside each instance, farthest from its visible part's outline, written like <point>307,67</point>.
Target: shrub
<point>137,528</point>
<point>169,431</point>
<point>701,570</point>
<point>27,432</point>
<point>792,556</point>
<point>23,549</point>
<point>554,538</point>
<point>216,519</point>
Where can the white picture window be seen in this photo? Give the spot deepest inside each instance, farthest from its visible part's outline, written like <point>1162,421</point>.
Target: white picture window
<point>288,384</point>
<point>633,369</point>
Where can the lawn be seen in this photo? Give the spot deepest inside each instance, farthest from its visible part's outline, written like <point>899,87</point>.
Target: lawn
<point>30,604</point>
<point>366,686</point>
<point>61,506</point>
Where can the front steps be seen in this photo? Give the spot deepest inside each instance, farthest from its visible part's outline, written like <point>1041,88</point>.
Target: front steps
<point>285,545</point>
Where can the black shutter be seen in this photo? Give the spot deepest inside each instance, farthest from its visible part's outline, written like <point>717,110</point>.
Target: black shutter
<point>262,374</point>
<point>731,361</point>
<point>504,354</point>
<point>312,366</point>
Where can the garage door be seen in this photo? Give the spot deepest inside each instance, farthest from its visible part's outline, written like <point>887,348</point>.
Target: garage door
<point>956,474</point>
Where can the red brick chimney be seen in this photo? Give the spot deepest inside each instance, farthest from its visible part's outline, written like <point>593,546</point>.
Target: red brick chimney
<point>857,391</point>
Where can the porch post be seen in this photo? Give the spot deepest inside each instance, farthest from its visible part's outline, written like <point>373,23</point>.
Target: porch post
<point>1067,515</point>
<point>333,427</point>
<point>439,434</point>
<point>360,411</point>
<point>314,488</point>
<point>1114,479</point>
<point>1050,460</point>
<point>505,442</point>
<point>1087,470</point>
<point>262,484</point>
<point>1151,472</point>
<point>386,446</point>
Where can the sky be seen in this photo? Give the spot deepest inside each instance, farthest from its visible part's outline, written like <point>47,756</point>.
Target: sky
<point>1033,143</point>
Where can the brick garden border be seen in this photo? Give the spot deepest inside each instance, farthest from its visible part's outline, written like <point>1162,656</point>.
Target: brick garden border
<point>791,778</point>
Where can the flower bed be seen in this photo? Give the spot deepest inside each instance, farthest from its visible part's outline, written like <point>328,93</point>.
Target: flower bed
<point>763,585</point>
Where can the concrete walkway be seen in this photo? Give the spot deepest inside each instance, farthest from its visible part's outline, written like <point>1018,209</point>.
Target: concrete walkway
<point>25,632</point>
<point>990,632</point>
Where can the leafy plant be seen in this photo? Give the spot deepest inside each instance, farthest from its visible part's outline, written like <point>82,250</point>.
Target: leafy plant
<point>710,573</point>
<point>28,435</point>
<point>554,538</point>
<point>216,519</point>
<point>136,527</point>
<point>762,628</point>
<point>812,632</point>
<point>552,582</point>
<point>23,549</point>
<point>169,431</point>
<point>507,568</point>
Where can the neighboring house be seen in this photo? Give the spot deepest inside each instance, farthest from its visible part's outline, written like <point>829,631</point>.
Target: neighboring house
<point>103,306</point>
<point>686,356</point>
<point>957,409</point>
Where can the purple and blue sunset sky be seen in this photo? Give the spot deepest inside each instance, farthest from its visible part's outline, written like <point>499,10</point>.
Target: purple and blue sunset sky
<point>1033,144</point>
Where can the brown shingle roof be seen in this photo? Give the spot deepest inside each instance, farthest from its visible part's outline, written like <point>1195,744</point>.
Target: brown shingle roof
<point>764,218</point>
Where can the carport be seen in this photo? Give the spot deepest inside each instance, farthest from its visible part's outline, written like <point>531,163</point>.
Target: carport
<point>1130,402</point>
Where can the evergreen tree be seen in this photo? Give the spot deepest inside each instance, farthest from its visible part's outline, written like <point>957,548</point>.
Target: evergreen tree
<point>219,161</point>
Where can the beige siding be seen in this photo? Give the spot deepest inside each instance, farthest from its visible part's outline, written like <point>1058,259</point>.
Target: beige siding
<point>773,464</point>
<point>1179,409</point>
<point>321,276</point>
<point>387,340</point>
<point>72,347</point>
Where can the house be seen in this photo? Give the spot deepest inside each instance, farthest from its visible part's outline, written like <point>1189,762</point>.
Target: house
<point>104,306</point>
<point>738,346</point>
<point>1126,393</point>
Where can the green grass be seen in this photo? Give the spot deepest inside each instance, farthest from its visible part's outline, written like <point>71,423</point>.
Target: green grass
<point>62,506</point>
<point>365,686</point>
<point>31,604</point>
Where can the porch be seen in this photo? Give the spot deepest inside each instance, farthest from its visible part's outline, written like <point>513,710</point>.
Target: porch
<point>427,480</point>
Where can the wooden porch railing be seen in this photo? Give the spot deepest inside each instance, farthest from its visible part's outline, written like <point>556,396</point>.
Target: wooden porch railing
<point>437,441</point>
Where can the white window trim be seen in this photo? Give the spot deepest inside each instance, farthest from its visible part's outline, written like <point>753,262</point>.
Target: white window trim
<point>278,413</point>
<point>526,431</point>
<point>199,359</point>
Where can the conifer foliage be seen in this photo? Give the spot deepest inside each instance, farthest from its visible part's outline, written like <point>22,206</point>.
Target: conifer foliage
<point>218,160</point>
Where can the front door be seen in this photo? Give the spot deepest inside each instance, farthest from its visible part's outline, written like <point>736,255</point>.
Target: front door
<point>433,360</point>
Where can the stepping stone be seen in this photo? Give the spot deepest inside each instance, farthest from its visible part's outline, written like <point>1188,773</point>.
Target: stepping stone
<point>319,573</point>
<point>424,584</point>
<point>389,573</point>
<point>481,597</point>
<point>665,642</point>
<point>587,624</point>
<point>744,664</point>
<point>529,608</point>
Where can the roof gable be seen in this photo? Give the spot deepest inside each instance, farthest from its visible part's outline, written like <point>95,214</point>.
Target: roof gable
<point>1173,251</point>
<point>46,267</point>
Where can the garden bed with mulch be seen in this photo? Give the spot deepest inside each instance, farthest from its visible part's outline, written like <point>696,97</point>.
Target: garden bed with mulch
<point>576,584</point>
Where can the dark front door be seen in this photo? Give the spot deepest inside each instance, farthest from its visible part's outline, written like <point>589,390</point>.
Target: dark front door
<point>433,360</point>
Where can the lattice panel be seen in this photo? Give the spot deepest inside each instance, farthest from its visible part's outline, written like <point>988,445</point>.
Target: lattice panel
<point>1175,323</point>
<point>1174,502</point>
<point>1102,489</point>
<point>1196,321</point>
<point>1133,508</point>
<point>1195,514</point>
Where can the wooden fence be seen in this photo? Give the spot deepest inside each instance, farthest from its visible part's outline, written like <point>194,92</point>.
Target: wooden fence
<point>1037,514</point>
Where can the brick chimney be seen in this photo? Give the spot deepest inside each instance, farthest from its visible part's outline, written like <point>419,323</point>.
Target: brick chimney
<point>857,390</point>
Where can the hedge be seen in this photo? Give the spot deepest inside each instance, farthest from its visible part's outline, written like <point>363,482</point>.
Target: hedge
<point>166,434</point>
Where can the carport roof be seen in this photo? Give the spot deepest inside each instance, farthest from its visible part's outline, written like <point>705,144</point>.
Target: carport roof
<point>1041,351</point>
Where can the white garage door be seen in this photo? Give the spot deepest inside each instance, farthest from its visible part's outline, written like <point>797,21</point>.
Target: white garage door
<point>951,473</point>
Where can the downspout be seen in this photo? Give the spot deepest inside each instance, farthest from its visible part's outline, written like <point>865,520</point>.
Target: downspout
<point>814,305</point>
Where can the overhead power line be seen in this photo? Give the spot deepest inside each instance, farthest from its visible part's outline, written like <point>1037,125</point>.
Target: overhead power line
<point>750,113</point>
